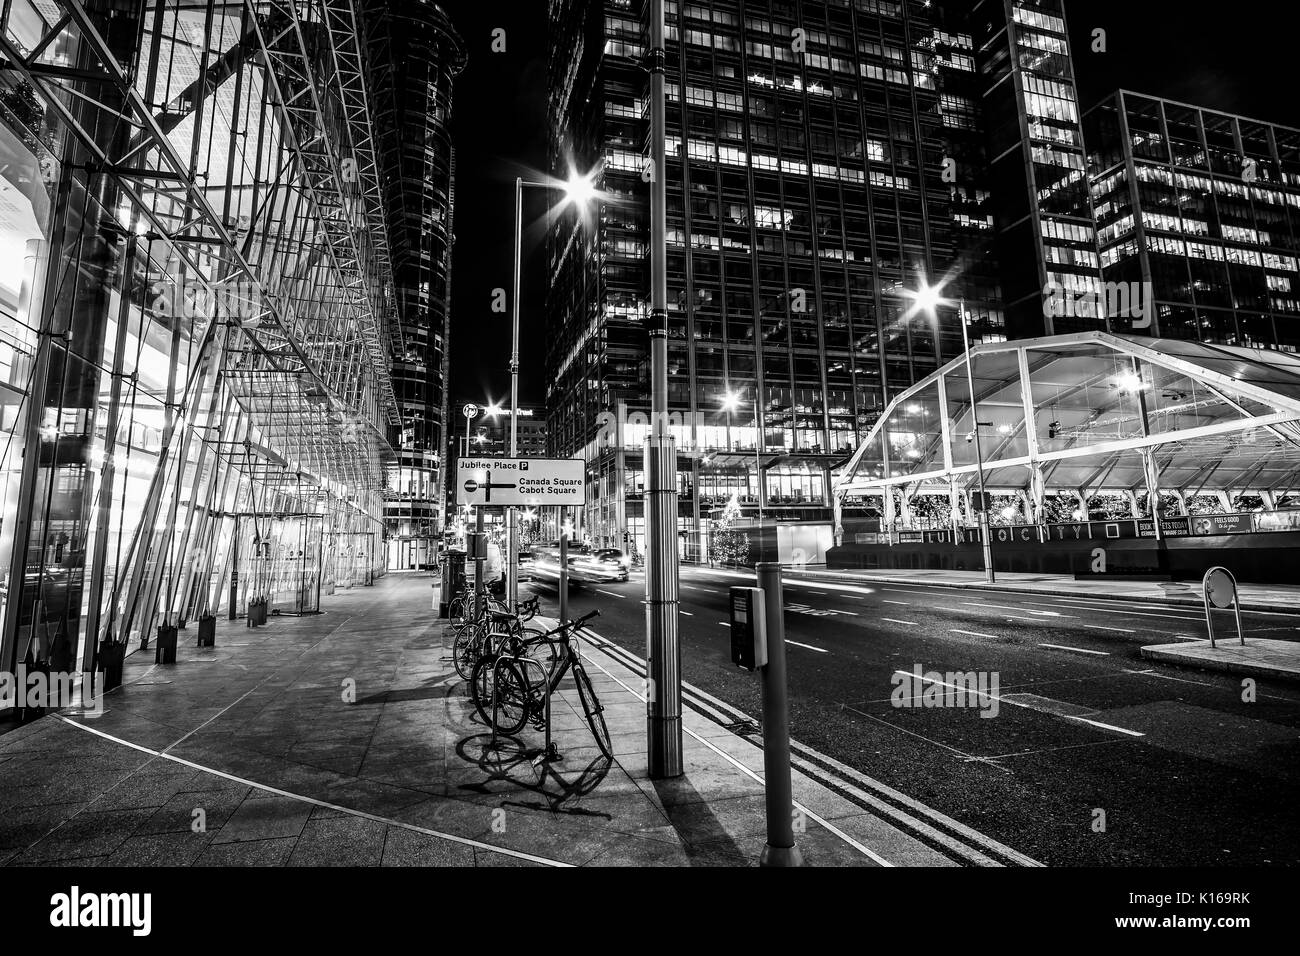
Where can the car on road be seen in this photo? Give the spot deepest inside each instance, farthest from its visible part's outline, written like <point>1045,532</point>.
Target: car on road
<point>614,556</point>
<point>604,565</point>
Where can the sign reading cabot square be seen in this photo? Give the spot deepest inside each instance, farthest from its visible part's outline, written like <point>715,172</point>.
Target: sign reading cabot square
<point>520,481</point>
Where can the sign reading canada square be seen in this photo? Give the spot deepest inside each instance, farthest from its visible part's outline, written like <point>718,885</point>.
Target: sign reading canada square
<point>520,481</point>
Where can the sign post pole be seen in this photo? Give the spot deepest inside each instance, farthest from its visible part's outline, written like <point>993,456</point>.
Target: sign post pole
<point>564,568</point>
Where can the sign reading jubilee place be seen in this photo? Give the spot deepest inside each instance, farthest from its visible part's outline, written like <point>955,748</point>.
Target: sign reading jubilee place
<point>520,481</point>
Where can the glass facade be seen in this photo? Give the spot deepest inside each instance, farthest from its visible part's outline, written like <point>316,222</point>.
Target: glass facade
<point>1046,237</point>
<point>1205,208</point>
<point>195,315</point>
<point>824,158</point>
<point>415,55</point>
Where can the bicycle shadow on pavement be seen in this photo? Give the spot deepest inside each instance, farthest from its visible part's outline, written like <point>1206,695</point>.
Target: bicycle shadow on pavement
<point>510,764</point>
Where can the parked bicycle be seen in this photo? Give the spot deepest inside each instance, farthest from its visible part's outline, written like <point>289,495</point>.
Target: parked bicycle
<point>507,697</point>
<point>497,631</point>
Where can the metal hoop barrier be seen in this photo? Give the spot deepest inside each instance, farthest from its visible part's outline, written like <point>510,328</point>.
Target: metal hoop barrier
<point>1219,588</point>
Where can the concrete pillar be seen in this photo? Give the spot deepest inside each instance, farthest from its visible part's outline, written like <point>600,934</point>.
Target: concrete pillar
<point>1267,498</point>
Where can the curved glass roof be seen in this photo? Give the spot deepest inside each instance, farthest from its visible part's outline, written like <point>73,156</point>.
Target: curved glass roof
<point>1087,412</point>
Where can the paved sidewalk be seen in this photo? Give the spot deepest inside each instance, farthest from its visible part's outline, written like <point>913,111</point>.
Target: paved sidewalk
<point>346,739</point>
<point>1258,657</point>
<point>1279,598</point>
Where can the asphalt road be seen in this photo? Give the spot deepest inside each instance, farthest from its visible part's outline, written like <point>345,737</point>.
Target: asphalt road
<point>1088,754</point>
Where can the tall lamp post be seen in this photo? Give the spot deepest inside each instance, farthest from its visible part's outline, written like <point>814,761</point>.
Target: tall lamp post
<point>731,403</point>
<point>580,190</point>
<point>663,646</point>
<point>928,299</point>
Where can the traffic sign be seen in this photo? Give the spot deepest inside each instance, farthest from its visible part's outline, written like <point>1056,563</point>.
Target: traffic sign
<point>470,411</point>
<point>520,481</point>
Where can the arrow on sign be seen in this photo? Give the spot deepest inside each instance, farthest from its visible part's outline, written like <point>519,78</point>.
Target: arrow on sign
<point>472,486</point>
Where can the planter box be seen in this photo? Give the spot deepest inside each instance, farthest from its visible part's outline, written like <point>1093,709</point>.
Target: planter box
<point>165,652</point>
<point>111,658</point>
<point>207,630</point>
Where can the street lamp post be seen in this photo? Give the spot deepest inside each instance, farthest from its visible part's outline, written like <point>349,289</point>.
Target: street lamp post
<point>663,650</point>
<point>578,189</point>
<point>928,298</point>
<point>985,538</point>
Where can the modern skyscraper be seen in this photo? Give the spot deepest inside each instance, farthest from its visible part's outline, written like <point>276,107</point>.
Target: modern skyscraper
<point>415,55</point>
<point>824,159</point>
<point>1203,210</point>
<point>1037,175</point>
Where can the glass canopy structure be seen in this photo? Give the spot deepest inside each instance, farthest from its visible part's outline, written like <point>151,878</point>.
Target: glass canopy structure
<point>1080,415</point>
<point>196,316</point>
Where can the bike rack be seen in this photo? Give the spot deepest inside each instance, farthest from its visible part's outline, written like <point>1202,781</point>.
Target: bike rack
<point>1225,591</point>
<point>549,752</point>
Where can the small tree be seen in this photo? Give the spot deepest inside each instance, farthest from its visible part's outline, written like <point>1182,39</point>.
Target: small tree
<point>728,545</point>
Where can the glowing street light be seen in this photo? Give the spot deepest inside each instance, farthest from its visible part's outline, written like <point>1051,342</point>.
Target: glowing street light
<point>579,190</point>
<point>731,403</point>
<point>927,299</point>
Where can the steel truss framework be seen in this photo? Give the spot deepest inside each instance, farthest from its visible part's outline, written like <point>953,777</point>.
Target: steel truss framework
<point>216,204</point>
<point>1083,414</point>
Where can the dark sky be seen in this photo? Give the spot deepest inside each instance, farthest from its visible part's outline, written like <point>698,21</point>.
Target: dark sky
<point>499,129</point>
<point>1235,57</point>
<point>1189,50</point>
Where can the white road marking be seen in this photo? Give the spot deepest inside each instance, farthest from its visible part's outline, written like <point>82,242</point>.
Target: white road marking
<point>819,650</point>
<point>849,613</point>
<point>957,630</point>
<point>1077,650</point>
<point>1019,703</point>
<point>1098,723</point>
<point>900,603</point>
<point>1009,607</point>
<point>611,593</point>
<point>725,623</point>
<point>1121,610</point>
<point>1102,627</point>
<point>894,620</point>
<point>687,613</point>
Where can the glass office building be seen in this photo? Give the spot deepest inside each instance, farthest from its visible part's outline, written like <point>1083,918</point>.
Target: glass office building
<point>824,158</point>
<point>1037,171</point>
<point>195,318</point>
<point>1203,209</point>
<point>415,56</point>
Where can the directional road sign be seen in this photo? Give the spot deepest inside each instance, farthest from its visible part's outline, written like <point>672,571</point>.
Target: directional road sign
<point>520,481</point>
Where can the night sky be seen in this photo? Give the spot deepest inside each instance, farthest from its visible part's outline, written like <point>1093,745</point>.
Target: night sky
<point>1196,52</point>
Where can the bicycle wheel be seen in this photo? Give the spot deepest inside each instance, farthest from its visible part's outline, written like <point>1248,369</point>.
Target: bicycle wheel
<point>591,706</point>
<point>546,653</point>
<point>467,649</point>
<point>456,611</point>
<point>512,695</point>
